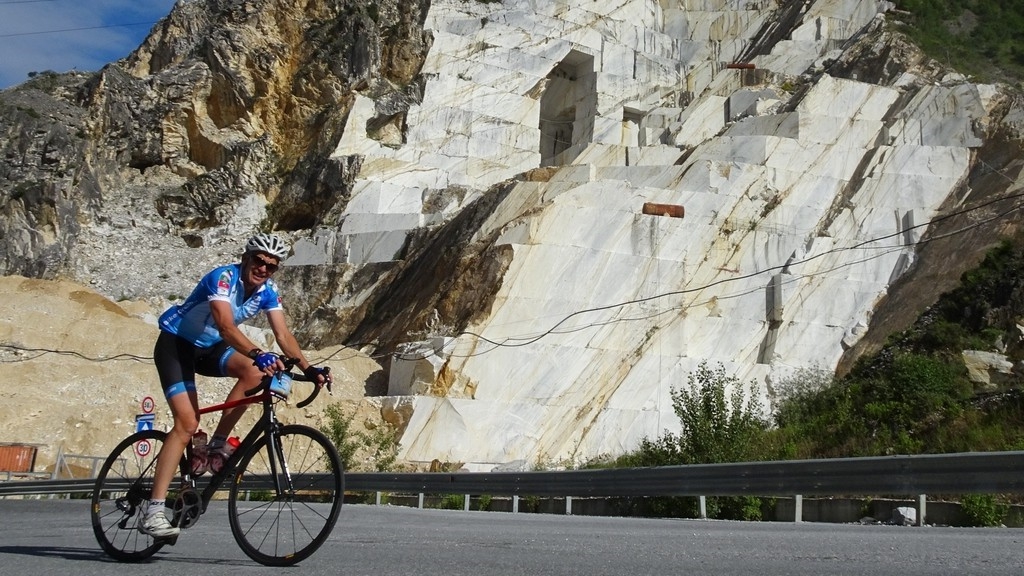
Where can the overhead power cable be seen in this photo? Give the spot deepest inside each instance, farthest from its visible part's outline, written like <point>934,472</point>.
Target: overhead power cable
<point>13,34</point>
<point>516,342</point>
<point>513,342</point>
<point>37,352</point>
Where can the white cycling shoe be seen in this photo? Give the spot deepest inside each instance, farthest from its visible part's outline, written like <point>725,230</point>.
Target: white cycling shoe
<point>157,526</point>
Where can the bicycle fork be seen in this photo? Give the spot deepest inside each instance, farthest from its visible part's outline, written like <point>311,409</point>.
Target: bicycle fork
<point>282,478</point>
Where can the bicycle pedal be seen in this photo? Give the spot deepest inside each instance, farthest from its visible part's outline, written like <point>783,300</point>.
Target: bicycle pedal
<point>166,540</point>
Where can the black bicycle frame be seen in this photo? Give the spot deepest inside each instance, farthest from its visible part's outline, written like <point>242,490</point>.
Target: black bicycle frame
<point>266,425</point>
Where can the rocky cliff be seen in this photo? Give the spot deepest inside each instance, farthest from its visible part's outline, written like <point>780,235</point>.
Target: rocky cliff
<point>539,216</point>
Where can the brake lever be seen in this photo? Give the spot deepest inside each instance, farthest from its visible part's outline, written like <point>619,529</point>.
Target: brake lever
<point>316,389</point>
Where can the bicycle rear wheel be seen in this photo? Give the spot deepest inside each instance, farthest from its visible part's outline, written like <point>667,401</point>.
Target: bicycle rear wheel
<point>123,485</point>
<point>286,495</point>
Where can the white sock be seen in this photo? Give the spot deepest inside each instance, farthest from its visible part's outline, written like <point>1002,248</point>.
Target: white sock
<point>155,507</point>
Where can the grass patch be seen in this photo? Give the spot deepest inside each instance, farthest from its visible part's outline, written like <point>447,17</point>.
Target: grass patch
<point>981,38</point>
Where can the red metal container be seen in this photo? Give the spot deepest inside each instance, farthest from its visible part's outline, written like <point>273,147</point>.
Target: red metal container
<point>17,458</point>
<point>670,210</point>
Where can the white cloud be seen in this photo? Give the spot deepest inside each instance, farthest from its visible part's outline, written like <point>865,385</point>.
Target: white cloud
<point>62,35</point>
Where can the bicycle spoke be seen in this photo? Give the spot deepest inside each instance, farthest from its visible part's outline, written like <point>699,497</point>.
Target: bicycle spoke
<point>299,481</point>
<point>123,483</point>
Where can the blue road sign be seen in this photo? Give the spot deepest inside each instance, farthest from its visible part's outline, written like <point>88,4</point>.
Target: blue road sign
<point>144,422</point>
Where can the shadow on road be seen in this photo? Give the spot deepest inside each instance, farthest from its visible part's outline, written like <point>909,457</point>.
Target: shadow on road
<point>56,552</point>
<point>93,555</point>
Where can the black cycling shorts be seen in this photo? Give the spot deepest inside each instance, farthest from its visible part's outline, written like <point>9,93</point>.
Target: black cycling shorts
<point>178,361</point>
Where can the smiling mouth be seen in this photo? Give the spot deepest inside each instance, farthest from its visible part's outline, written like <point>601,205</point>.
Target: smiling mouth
<point>257,275</point>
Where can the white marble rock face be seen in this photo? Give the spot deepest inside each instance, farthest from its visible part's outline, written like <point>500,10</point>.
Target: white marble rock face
<point>767,273</point>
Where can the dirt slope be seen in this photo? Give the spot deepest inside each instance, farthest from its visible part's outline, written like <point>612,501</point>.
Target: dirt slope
<point>75,367</point>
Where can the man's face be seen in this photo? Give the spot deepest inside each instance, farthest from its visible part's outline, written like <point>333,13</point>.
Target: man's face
<point>259,267</point>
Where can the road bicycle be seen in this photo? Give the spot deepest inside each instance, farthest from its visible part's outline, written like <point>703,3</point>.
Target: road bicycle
<point>285,486</point>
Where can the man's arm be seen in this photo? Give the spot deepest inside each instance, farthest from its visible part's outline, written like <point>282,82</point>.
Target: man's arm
<point>290,346</point>
<point>285,339</point>
<point>225,320</point>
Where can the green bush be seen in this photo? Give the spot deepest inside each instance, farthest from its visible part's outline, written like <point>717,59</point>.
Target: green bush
<point>944,335</point>
<point>717,426</point>
<point>338,428</point>
<point>529,503</point>
<point>381,442</point>
<point>919,387</point>
<point>715,429</point>
<point>979,37</point>
<point>983,510</point>
<point>818,416</point>
<point>739,508</point>
<point>452,502</point>
<point>665,507</point>
<point>892,405</point>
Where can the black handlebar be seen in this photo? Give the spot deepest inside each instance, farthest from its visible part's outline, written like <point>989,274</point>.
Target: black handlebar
<point>290,363</point>
<point>316,389</point>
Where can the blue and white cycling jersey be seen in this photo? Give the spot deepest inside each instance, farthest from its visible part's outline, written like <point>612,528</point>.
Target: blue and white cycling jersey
<point>192,319</point>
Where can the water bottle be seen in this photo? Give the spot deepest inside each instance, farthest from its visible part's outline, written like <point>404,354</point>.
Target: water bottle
<point>281,384</point>
<point>219,456</point>
<point>199,461</point>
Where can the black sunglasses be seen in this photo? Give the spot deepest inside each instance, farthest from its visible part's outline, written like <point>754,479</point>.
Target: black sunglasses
<point>258,261</point>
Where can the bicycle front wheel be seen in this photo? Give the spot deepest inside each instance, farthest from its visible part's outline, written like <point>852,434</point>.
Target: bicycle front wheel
<point>123,486</point>
<point>286,495</point>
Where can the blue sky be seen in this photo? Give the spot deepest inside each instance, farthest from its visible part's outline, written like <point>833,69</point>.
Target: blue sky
<point>61,35</point>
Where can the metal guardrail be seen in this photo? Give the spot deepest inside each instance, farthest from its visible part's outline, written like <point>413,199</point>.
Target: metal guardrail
<point>963,473</point>
<point>6,476</point>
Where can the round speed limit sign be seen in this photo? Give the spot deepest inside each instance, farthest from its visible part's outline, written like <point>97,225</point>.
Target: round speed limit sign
<point>143,447</point>
<point>147,405</point>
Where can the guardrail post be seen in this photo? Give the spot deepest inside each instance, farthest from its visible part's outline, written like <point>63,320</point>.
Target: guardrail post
<point>421,501</point>
<point>798,508</point>
<point>568,505</point>
<point>921,505</point>
<point>57,464</point>
<point>465,505</point>
<point>702,502</point>
<point>515,503</point>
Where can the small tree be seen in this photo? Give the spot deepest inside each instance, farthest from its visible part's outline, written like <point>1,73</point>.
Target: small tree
<point>717,426</point>
<point>338,429</point>
<point>983,510</point>
<point>716,429</point>
<point>381,444</point>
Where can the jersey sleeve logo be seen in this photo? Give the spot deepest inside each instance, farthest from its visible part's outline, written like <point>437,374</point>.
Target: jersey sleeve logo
<point>224,283</point>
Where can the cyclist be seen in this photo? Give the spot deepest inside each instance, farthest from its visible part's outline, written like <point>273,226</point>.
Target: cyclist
<point>201,335</point>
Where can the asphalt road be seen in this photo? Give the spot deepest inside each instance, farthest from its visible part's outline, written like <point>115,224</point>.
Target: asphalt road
<point>54,537</point>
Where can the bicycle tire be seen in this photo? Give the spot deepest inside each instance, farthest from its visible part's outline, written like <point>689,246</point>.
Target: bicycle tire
<point>124,482</point>
<point>280,527</point>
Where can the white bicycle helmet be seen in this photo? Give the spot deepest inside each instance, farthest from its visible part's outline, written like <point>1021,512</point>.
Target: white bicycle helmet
<point>269,244</point>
